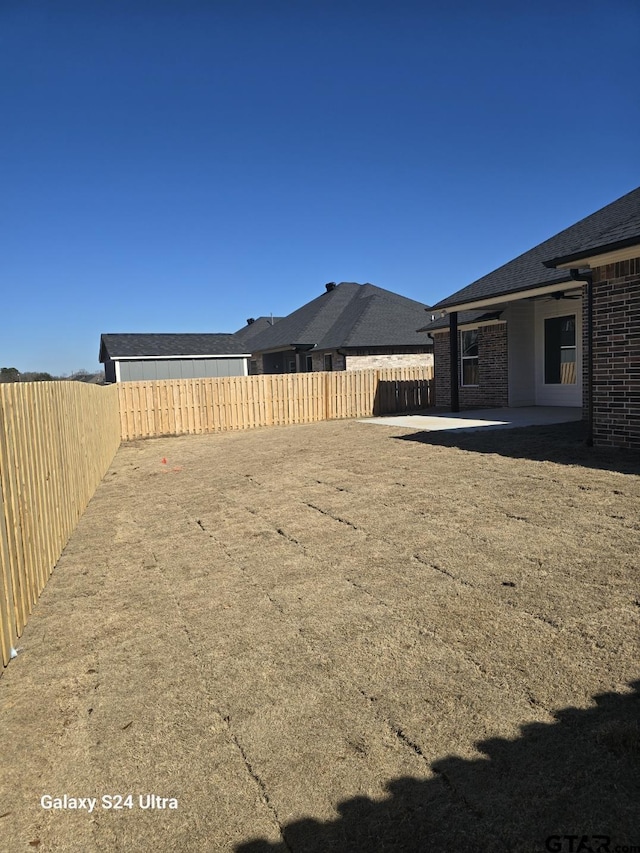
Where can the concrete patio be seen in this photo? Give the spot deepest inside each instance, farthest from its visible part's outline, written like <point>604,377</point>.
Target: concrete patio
<point>476,419</point>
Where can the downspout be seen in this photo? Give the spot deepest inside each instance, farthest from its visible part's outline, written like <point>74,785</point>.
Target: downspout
<point>453,360</point>
<point>587,277</point>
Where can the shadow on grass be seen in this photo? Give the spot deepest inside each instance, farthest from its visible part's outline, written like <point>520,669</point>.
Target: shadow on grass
<point>561,443</point>
<point>579,775</point>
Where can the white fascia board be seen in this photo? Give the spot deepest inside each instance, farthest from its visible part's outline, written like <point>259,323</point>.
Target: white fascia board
<point>474,325</point>
<point>169,357</point>
<point>496,301</point>
<point>604,259</point>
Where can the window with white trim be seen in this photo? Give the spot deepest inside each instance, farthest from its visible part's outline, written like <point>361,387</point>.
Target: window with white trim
<point>470,373</point>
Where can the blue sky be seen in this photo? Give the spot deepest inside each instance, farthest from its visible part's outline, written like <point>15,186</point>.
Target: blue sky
<point>181,166</point>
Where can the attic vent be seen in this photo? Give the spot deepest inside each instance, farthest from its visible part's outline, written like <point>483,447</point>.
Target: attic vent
<point>331,285</point>
<point>251,320</point>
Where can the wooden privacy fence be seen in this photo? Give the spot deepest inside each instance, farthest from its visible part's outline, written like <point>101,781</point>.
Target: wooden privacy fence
<point>192,406</point>
<point>57,440</point>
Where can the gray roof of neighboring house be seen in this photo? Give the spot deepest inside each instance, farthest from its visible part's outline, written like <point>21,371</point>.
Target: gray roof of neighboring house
<point>348,316</point>
<point>617,223</point>
<point>130,345</point>
<point>252,330</point>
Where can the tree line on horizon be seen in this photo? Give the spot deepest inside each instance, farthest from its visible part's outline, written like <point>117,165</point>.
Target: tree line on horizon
<point>12,374</point>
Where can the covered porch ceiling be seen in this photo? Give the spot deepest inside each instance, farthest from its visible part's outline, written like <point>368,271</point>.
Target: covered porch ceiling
<point>499,303</point>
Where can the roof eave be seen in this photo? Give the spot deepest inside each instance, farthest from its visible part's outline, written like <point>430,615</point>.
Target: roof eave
<point>589,257</point>
<point>163,357</point>
<point>284,348</point>
<point>501,298</point>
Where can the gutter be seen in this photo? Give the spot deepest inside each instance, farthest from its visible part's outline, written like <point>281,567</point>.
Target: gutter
<point>587,277</point>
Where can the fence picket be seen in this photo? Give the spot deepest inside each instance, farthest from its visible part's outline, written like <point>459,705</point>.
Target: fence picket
<point>176,407</point>
<point>57,440</point>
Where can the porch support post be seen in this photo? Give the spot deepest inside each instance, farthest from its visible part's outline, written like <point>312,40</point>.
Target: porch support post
<point>576,275</point>
<point>590,360</point>
<point>453,359</point>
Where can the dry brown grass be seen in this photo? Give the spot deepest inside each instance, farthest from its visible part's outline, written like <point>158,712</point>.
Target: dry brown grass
<point>336,637</point>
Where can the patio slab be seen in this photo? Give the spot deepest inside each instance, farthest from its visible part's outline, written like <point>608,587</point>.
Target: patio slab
<point>477,419</point>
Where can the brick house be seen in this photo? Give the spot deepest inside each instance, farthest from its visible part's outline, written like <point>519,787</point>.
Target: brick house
<point>556,326</point>
<point>348,327</point>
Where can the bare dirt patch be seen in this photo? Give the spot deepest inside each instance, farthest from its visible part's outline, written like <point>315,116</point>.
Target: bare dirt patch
<point>336,637</point>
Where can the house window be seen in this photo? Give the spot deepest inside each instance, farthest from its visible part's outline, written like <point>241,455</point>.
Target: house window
<point>328,361</point>
<point>469,350</point>
<point>309,364</point>
<point>253,367</point>
<point>292,365</point>
<point>560,350</point>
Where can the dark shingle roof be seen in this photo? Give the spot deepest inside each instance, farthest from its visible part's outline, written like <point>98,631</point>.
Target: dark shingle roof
<point>624,232</point>
<point>190,344</point>
<point>350,315</point>
<point>252,330</point>
<point>618,221</point>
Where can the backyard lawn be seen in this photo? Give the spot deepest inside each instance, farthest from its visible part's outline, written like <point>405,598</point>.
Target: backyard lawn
<point>336,637</point>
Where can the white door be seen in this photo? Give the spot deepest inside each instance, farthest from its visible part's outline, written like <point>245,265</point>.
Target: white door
<point>558,347</point>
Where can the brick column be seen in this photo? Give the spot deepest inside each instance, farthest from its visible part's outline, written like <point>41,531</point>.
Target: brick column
<point>616,355</point>
<point>492,390</point>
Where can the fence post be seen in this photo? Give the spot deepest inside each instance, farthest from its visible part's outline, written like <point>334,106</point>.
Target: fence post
<point>327,411</point>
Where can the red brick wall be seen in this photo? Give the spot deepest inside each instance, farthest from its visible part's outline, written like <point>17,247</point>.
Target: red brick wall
<point>616,355</point>
<point>493,388</point>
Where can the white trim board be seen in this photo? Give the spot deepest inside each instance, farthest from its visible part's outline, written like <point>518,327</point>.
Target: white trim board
<point>169,357</point>
<point>501,299</point>
<point>604,259</point>
<point>468,326</point>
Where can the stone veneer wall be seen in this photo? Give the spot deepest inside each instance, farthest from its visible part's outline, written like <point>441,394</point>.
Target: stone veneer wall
<point>493,388</point>
<point>357,362</point>
<point>369,362</point>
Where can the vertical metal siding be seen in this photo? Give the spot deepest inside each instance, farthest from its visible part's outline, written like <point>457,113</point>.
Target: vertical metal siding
<point>147,370</point>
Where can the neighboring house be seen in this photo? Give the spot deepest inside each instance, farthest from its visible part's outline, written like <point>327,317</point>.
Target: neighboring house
<point>349,327</point>
<point>130,357</point>
<point>248,333</point>
<point>522,335</point>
